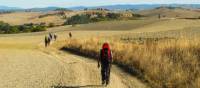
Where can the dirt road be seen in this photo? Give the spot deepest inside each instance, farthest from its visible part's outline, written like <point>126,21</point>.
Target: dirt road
<point>25,63</point>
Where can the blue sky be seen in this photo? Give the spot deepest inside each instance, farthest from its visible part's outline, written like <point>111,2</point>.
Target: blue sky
<point>71,3</point>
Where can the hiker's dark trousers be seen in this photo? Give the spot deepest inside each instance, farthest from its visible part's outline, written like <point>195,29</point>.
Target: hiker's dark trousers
<point>46,44</point>
<point>105,73</point>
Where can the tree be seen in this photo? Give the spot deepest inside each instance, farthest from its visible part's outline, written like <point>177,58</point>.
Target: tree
<point>78,19</point>
<point>39,28</point>
<point>14,29</point>
<point>113,15</point>
<point>5,27</point>
<point>51,25</point>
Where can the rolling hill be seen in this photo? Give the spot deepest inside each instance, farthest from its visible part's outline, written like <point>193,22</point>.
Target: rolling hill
<point>169,12</point>
<point>18,18</point>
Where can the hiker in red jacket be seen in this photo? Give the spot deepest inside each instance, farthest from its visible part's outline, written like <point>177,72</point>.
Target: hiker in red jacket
<point>105,60</point>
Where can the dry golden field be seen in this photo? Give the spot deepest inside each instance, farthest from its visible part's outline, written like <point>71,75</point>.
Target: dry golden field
<point>170,13</point>
<point>19,18</point>
<point>162,53</point>
<point>26,63</point>
<point>163,63</point>
<point>167,57</point>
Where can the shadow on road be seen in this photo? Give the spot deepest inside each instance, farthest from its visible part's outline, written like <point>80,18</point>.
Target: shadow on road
<point>84,86</point>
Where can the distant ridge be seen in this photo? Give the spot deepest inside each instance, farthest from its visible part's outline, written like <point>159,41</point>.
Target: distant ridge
<point>6,8</point>
<point>110,7</point>
<point>46,9</point>
<point>119,7</point>
<point>138,6</point>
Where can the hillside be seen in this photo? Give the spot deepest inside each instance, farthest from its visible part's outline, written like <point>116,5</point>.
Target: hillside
<point>51,67</point>
<point>167,12</point>
<point>18,18</point>
<point>57,17</point>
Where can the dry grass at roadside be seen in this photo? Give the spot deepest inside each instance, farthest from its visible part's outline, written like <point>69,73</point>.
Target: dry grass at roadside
<point>170,63</point>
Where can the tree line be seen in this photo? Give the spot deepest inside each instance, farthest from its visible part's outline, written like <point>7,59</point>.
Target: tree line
<point>87,18</point>
<point>6,28</point>
<point>97,17</point>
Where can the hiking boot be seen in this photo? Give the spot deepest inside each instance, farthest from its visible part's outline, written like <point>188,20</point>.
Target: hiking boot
<point>107,82</point>
<point>103,82</point>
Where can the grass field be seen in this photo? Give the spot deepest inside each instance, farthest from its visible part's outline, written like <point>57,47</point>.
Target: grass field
<point>164,63</point>
<point>141,26</point>
<point>19,18</point>
<point>170,13</point>
<point>163,53</point>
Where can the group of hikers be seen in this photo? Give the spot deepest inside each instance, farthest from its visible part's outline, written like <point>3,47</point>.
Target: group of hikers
<point>49,38</point>
<point>104,60</point>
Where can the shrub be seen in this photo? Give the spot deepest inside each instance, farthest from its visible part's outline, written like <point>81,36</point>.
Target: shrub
<point>78,19</point>
<point>51,25</point>
<point>137,15</point>
<point>14,29</point>
<point>113,15</point>
<point>4,27</point>
<point>38,28</point>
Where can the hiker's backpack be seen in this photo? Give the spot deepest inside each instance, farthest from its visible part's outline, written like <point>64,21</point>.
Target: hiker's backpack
<point>106,52</point>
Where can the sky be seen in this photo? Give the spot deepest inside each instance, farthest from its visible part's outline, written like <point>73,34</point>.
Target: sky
<point>72,3</point>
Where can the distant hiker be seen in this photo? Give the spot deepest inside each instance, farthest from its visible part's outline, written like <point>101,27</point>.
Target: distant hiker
<point>70,34</point>
<point>46,41</point>
<point>55,37</point>
<point>49,40</point>
<point>50,35</point>
<point>105,60</point>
